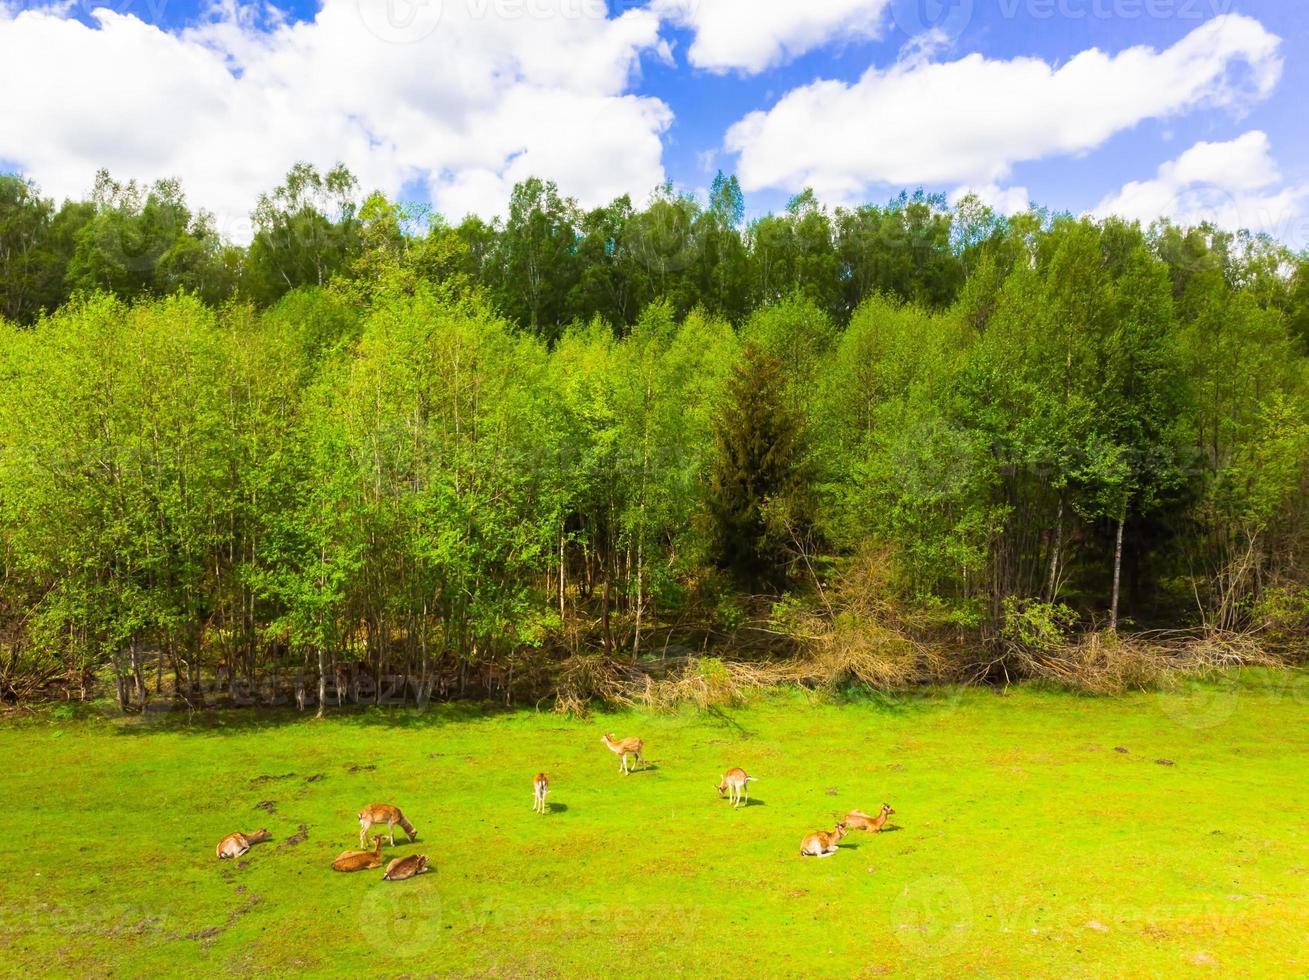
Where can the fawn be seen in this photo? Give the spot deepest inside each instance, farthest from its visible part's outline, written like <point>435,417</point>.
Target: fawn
<point>234,845</point>
<point>540,787</point>
<point>821,843</point>
<point>628,746</point>
<point>384,813</point>
<point>734,783</point>
<point>405,867</point>
<point>858,820</point>
<point>360,860</point>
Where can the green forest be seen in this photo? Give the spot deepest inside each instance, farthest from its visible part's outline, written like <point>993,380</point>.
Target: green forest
<point>637,453</point>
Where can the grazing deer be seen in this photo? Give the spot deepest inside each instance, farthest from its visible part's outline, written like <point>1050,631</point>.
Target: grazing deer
<point>858,820</point>
<point>735,783</point>
<point>822,844</point>
<point>360,860</point>
<point>383,813</point>
<point>234,845</point>
<point>405,867</point>
<point>540,787</point>
<point>628,746</point>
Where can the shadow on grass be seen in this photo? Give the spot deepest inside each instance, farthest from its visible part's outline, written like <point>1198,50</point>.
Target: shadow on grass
<point>727,721</point>
<point>921,700</point>
<point>557,807</point>
<point>222,720</point>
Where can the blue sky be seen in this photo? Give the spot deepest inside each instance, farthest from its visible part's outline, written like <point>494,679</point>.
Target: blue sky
<point>1186,107</point>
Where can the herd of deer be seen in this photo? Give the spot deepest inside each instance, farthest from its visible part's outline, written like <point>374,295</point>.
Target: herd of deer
<point>735,786</point>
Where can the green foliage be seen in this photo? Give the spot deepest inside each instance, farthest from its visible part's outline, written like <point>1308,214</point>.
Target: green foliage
<point>146,241</point>
<point>36,246</point>
<point>306,231</point>
<point>757,482</point>
<point>374,441</point>
<point>1038,627</point>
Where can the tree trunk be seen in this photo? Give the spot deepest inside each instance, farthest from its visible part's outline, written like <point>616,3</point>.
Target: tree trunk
<point>322,683</point>
<point>138,678</point>
<point>1118,568</point>
<point>604,617</point>
<point>300,685</point>
<point>1054,551</point>
<point>120,683</point>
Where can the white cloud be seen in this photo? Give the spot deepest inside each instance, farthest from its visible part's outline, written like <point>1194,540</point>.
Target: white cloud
<point>751,35</point>
<point>465,97</point>
<point>1003,200</point>
<point>969,121</point>
<point>1234,185</point>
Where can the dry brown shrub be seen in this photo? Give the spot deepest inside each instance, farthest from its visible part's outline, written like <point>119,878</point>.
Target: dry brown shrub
<point>863,632</point>
<point>1105,662</point>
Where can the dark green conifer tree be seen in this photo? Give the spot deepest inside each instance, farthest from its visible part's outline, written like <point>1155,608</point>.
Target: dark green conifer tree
<point>756,482</point>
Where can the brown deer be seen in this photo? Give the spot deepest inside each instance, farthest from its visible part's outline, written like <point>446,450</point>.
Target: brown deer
<point>540,787</point>
<point>628,746</point>
<point>376,814</point>
<point>360,860</point>
<point>405,867</point>
<point>858,820</point>
<point>735,783</point>
<point>821,843</point>
<point>234,845</point>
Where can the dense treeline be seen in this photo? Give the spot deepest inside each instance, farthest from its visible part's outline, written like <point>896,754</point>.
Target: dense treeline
<point>546,265</point>
<point>374,445</point>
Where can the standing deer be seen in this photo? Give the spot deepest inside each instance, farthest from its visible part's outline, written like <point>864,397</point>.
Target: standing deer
<point>540,787</point>
<point>384,813</point>
<point>736,784</point>
<point>628,746</point>
<point>234,845</point>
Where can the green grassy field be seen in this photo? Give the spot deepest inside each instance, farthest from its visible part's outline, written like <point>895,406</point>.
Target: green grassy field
<point>1035,833</point>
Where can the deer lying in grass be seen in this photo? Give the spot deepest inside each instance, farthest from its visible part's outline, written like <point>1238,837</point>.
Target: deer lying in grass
<point>822,844</point>
<point>383,813</point>
<point>360,860</point>
<point>858,820</point>
<point>628,746</point>
<point>540,787</point>
<point>405,867</point>
<point>736,784</point>
<point>234,845</point>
